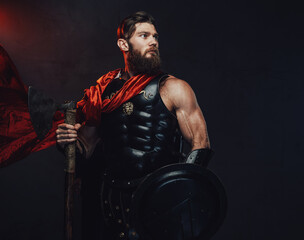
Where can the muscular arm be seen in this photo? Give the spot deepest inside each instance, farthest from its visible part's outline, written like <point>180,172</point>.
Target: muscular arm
<point>178,96</point>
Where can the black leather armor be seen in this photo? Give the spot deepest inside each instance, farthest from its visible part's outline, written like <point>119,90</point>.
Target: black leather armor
<point>141,135</point>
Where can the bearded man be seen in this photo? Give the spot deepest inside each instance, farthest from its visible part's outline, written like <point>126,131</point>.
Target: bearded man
<point>139,114</point>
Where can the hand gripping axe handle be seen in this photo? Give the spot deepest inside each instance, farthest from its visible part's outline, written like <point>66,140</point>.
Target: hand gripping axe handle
<point>42,110</point>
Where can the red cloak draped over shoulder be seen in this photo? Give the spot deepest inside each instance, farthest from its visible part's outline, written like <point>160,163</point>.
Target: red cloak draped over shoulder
<point>17,136</point>
<point>91,106</point>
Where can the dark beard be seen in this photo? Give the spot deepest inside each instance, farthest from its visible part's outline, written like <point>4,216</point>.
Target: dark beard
<point>139,64</point>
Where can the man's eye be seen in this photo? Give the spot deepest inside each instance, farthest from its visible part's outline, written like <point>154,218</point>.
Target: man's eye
<point>143,35</point>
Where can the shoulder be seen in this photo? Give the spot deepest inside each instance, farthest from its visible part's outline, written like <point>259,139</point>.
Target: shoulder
<point>176,87</point>
<point>177,92</point>
<point>172,81</point>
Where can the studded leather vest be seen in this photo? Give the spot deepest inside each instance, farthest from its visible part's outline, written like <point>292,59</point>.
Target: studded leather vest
<point>141,135</point>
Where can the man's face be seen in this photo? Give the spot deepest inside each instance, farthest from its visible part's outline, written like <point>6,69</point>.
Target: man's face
<point>143,55</point>
<point>145,40</point>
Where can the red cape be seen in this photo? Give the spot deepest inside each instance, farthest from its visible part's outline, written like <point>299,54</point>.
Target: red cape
<point>17,136</point>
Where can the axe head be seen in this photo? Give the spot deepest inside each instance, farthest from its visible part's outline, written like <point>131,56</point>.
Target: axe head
<point>42,110</point>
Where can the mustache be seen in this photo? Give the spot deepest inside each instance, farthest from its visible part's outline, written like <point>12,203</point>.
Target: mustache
<point>152,49</point>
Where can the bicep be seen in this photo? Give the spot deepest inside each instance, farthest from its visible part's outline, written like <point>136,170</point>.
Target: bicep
<point>190,117</point>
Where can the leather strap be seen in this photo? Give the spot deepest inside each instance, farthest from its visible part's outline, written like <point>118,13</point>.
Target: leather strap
<point>200,156</point>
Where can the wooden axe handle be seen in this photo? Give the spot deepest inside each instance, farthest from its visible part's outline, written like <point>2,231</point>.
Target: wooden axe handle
<point>70,149</point>
<point>70,154</point>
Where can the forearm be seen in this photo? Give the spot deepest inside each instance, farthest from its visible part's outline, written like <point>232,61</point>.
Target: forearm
<point>197,136</point>
<point>199,140</point>
<point>85,147</point>
<point>201,152</point>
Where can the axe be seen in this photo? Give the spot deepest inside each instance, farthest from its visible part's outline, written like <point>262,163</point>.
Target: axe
<point>42,110</point>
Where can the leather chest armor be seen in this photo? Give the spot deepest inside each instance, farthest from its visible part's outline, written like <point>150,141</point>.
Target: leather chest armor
<point>141,135</point>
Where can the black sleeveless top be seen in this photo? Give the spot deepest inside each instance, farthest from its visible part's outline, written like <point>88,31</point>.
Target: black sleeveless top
<point>140,136</point>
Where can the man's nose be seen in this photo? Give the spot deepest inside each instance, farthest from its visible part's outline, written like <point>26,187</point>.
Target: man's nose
<point>153,42</point>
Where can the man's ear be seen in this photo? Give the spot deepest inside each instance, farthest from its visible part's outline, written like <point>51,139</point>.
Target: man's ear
<point>123,44</point>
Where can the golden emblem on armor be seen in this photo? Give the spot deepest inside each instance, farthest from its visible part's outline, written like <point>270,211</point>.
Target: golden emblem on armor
<point>128,108</point>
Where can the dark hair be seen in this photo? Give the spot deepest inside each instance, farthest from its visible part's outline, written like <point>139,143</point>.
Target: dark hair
<point>127,26</point>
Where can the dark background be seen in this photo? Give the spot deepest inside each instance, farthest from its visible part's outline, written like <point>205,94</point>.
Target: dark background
<point>243,59</point>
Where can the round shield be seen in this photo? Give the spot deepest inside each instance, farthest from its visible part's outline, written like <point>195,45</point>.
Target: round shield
<point>179,201</point>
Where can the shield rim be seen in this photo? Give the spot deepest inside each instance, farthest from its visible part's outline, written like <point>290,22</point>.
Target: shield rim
<point>171,171</point>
